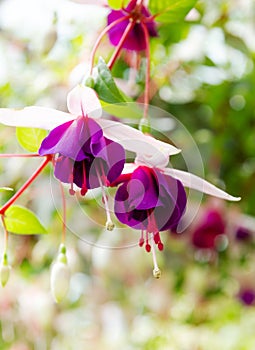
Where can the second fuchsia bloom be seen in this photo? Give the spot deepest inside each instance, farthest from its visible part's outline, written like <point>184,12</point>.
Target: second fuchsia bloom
<point>210,227</point>
<point>136,13</point>
<point>150,201</point>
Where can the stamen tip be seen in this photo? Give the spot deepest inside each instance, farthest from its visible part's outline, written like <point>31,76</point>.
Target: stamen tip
<point>109,225</point>
<point>157,273</point>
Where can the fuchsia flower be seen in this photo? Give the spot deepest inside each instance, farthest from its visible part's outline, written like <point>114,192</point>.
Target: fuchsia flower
<point>84,156</point>
<point>150,201</point>
<point>210,227</point>
<point>136,13</point>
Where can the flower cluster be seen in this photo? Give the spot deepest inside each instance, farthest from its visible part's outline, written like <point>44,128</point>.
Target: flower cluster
<point>88,151</point>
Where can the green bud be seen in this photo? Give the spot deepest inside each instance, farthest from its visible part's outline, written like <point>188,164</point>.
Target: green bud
<point>144,126</point>
<point>5,270</point>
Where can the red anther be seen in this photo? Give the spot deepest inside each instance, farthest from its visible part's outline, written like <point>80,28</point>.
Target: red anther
<point>160,246</point>
<point>71,191</point>
<point>148,247</point>
<point>141,242</point>
<point>84,190</point>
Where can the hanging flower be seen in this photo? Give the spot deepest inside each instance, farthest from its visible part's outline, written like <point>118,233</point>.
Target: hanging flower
<point>150,201</point>
<point>84,156</point>
<point>209,228</point>
<point>133,15</point>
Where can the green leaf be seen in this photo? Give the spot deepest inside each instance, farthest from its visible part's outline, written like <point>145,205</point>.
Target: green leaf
<point>117,4</point>
<point>30,138</point>
<point>105,85</point>
<point>22,221</point>
<point>5,189</point>
<point>125,110</point>
<point>171,11</point>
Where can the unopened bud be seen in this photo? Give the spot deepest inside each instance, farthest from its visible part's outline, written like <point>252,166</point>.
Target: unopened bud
<point>157,273</point>
<point>5,270</point>
<point>109,225</point>
<point>60,276</point>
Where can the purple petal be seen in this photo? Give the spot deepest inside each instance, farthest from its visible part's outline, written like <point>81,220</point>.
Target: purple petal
<point>64,169</point>
<point>72,139</point>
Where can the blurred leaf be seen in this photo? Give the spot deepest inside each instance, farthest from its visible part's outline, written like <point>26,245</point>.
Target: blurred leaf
<point>105,85</point>
<point>5,189</point>
<point>20,220</point>
<point>123,110</point>
<point>30,138</point>
<point>117,4</point>
<point>171,11</point>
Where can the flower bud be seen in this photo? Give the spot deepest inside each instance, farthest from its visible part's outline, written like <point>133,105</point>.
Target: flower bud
<point>5,269</point>
<point>60,277</point>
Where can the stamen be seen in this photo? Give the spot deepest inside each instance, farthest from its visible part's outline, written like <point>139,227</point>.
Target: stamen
<point>156,270</point>
<point>71,190</point>
<point>109,224</point>
<point>147,246</point>
<point>141,240</point>
<point>84,189</point>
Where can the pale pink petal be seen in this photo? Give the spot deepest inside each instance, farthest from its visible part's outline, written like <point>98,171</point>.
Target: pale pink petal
<point>149,150</point>
<point>83,100</point>
<point>34,117</point>
<point>197,183</point>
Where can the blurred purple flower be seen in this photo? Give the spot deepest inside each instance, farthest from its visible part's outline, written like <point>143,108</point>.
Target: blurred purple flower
<point>135,12</point>
<point>247,296</point>
<point>243,234</point>
<point>209,228</point>
<point>150,201</point>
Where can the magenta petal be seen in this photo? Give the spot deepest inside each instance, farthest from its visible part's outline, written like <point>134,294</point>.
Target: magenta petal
<point>135,40</point>
<point>150,200</point>
<point>64,169</point>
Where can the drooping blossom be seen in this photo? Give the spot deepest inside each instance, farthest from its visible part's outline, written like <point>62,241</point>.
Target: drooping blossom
<point>84,156</point>
<point>150,201</point>
<point>135,13</point>
<point>210,226</point>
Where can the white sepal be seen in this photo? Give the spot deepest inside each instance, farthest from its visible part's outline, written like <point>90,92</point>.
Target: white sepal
<point>199,184</point>
<point>82,100</point>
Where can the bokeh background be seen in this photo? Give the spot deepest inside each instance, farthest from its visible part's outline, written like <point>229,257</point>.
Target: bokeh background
<point>202,74</point>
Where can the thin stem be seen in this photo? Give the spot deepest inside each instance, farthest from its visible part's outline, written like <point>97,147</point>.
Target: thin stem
<point>99,39</point>
<point>147,75</point>
<point>115,55</point>
<point>5,235</point>
<point>19,155</point>
<point>63,238</point>
<point>25,185</point>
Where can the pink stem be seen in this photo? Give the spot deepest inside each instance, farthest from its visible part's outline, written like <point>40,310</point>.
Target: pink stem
<point>64,213</point>
<point>106,29</point>
<point>115,55</point>
<point>21,155</point>
<point>147,75</point>
<point>25,185</point>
